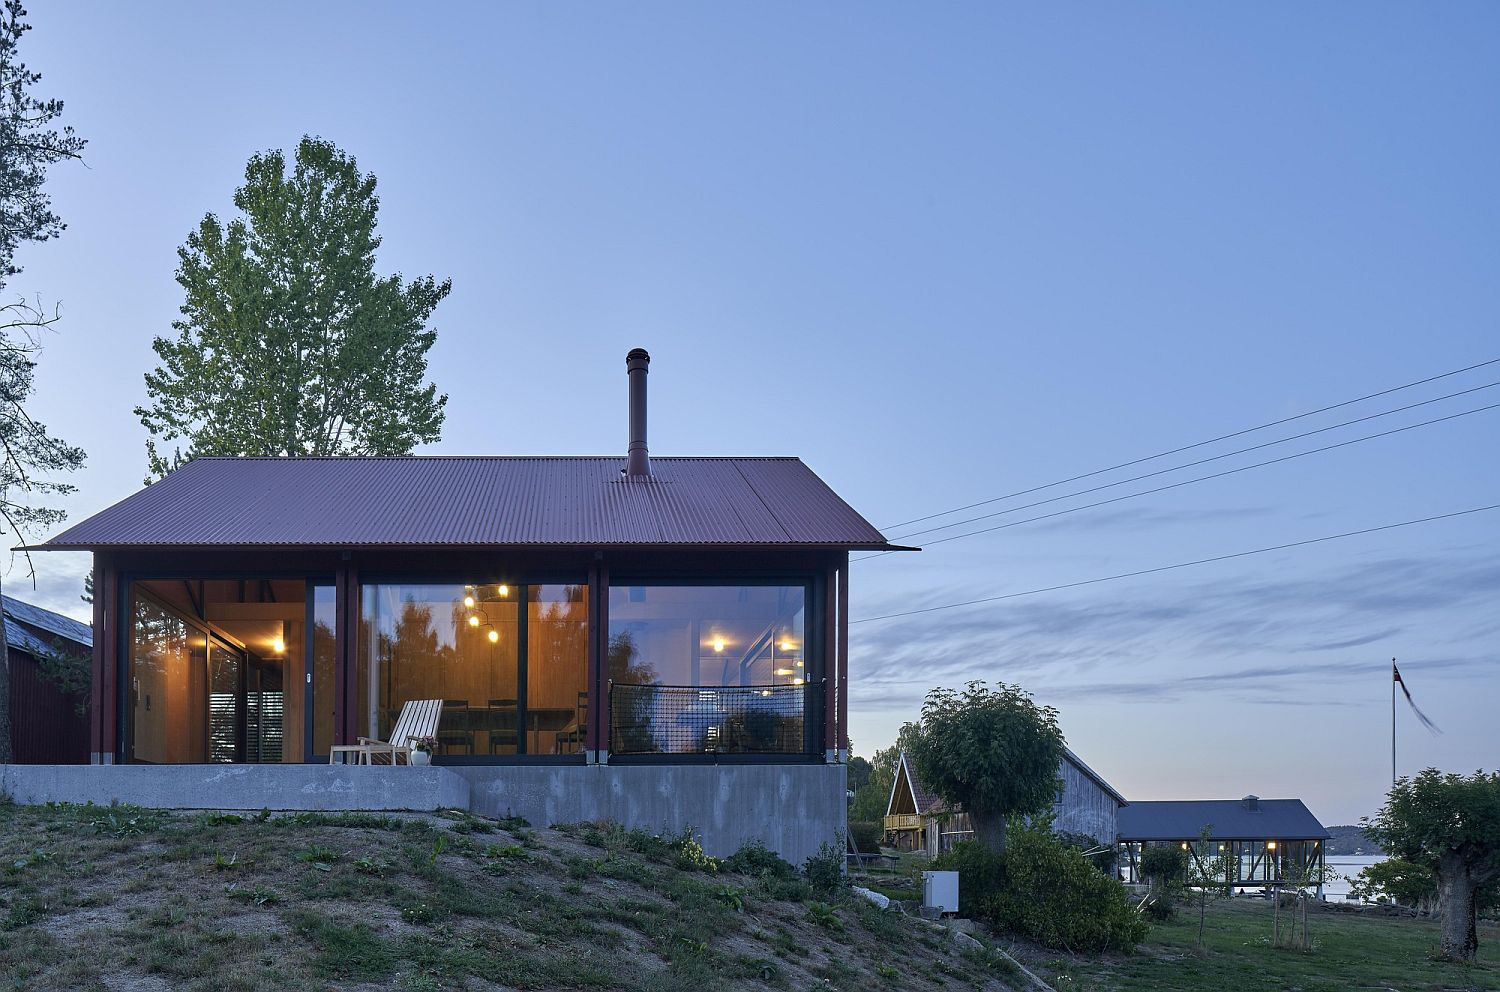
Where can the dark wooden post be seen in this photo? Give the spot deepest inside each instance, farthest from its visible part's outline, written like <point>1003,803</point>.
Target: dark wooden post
<point>830,641</point>
<point>842,657</point>
<point>111,616</point>
<point>598,678</point>
<point>346,655</point>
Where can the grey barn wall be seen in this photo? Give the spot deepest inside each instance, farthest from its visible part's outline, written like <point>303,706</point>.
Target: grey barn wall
<point>1085,808</point>
<point>792,809</point>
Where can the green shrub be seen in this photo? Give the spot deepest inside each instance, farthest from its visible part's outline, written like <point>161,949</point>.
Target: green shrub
<point>825,870</point>
<point>866,835</point>
<point>981,876</point>
<point>1055,897</point>
<point>759,861</point>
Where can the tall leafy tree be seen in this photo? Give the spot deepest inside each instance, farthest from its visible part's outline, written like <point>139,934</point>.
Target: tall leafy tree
<point>289,343</point>
<point>994,752</point>
<point>29,145</point>
<point>1450,825</point>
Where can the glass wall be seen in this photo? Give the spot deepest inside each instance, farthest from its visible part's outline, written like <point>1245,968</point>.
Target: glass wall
<point>324,608</point>
<point>217,670</point>
<point>167,686</point>
<point>508,660</point>
<point>708,668</point>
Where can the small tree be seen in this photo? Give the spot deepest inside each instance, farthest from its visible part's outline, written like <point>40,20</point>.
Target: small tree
<point>994,752</point>
<point>1210,876</point>
<point>1449,824</point>
<point>1398,882</point>
<point>1165,869</point>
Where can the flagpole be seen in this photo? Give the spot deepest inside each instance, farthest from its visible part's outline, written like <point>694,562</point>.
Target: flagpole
<point>1393,723</point>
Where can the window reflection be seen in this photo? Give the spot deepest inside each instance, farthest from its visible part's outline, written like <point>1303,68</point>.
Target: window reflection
<point>709,669</point>
<point>462,643</point>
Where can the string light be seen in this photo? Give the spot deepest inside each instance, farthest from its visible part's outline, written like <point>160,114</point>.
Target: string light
<point>469,602</point>
<point>494,635</point>
<point>473,620</point>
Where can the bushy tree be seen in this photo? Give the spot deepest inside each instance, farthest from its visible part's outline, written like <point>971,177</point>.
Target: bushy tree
<point>289,343</point>
<point>1449,824</point>
<point>29,145</point>
<point>993,752</point>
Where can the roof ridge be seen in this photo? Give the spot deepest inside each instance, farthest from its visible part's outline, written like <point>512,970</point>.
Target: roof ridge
<point>494,458</point>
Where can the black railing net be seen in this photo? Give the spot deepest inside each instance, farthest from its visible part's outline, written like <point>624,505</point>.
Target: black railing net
<point>675,719</point>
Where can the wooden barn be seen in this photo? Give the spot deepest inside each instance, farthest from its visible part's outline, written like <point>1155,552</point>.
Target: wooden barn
<point>49,726</point>
<point>917,820</point>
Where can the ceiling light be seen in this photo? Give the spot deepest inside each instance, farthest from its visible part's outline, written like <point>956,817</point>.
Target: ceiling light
<point>796,681</point>
<point>787,645</point>
<point>494,635</point>
<point>783,671</point>
<point>473,620</point>
<point>1270,845</point>
<point>278,646</point>
<point>718,644</point>
<point>469,602</point>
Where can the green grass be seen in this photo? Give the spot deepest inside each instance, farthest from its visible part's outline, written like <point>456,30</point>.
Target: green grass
<point>1350,951</point>
<point>97,898</point>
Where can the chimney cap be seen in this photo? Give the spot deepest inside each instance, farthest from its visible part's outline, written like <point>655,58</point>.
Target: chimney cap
<point>638,354</point>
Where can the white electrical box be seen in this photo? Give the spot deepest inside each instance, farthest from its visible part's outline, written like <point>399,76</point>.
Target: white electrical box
<point>940,890</point>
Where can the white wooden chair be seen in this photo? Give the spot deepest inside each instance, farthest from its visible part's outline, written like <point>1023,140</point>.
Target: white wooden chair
<point>419,718</point>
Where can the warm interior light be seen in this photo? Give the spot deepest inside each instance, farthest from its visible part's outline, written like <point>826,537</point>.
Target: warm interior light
<point>494,636</point>
<point>799,664</point>
<point>1270,845</point>
<point>469,602</point>
<point>718,644</point>
<point>786,645</point>
<point>796,681</point>
<point>783,671</point>
<point>765,692</point>
<point>1184,845</point>
<point>504,591</point>
<point>1221,847</point>
<point>473,620</point>
<point>278,646</point>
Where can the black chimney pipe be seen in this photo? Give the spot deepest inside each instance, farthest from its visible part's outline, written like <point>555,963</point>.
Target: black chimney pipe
<point>638,461</point>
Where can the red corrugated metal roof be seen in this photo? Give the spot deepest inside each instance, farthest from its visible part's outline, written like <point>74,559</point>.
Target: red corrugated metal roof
<point>419,500</point>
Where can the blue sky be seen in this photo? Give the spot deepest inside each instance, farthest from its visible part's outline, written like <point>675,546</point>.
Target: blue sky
<point>942,253</point>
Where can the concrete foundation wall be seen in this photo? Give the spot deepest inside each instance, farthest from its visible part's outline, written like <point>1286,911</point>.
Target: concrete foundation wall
<point>251,787</point>
<point>792,809</point>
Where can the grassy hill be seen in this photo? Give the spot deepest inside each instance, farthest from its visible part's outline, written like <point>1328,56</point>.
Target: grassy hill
<point>122,898</point>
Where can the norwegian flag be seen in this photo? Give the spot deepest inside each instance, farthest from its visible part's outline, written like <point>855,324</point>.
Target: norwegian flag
<point>1396,677</point>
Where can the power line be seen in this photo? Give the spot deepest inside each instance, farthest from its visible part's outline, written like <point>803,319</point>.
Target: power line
<point>1199,444</point>
<point>1177,485</point>
<point>1201,461</point>
<point>1182,564</point>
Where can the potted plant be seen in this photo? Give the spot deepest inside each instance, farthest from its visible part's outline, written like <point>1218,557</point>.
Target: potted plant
<point>422,749</point>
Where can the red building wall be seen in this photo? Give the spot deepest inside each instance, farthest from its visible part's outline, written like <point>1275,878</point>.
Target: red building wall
<point>46,726</point>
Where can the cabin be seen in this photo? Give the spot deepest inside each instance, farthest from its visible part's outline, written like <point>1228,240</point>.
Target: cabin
<point>1266,842</point>
<point>49,720</point>
<point>659,641</point>
<point>917,820</point>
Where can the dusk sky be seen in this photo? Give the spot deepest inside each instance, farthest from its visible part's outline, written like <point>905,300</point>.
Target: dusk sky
<point>943,253</point>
